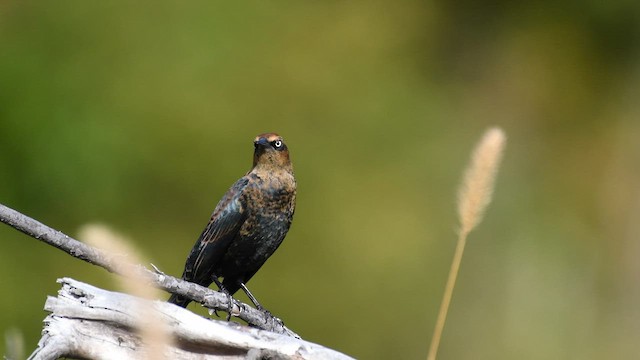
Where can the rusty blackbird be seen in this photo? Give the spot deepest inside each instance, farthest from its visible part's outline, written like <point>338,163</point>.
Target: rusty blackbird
<point>247,225</point>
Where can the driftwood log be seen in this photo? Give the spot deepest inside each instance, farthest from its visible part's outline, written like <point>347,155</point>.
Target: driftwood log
<point>88,322</point>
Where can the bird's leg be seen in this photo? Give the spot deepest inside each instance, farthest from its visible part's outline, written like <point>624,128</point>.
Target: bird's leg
<point>229,298</point>
<point>268,314</point>
<point>250,295</point>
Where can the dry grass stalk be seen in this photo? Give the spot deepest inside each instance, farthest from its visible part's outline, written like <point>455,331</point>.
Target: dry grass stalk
<point>474,195</point>
<point>476,189</point>
<point>152,331</point>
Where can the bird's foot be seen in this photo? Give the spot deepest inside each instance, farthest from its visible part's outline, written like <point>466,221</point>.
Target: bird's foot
<point>229,305</point>
<point>230,301</point>
<point>229,309</point>
<point>269,317</point>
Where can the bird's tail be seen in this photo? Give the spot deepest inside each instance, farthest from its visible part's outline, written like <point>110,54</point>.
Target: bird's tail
<point>179,300</point>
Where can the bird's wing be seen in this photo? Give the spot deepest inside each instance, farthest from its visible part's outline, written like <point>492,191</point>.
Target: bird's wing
<point>226,220</point>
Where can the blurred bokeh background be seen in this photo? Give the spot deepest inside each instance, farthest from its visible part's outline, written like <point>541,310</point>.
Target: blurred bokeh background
<point>140,115</point>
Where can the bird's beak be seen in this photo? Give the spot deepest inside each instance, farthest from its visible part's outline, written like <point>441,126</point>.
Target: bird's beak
<point>261,142</point>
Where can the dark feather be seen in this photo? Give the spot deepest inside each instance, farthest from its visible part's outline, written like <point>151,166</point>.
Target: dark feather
<point>248,224</point>
<point>226,220</point>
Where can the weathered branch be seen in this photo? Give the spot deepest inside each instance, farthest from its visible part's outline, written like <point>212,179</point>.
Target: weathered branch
<point>87,322</point>
<point>208,298</point>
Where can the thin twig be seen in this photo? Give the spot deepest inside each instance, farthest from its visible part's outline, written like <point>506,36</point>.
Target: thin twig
<point>208,298</point>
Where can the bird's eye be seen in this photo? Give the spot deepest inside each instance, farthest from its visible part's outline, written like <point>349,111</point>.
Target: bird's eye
<point>277,144</point>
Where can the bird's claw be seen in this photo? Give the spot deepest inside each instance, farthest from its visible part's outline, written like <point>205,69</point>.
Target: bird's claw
<point>235,309</point>
<point>230,304</point>
<point>268,316</point>
<point>229,310</point>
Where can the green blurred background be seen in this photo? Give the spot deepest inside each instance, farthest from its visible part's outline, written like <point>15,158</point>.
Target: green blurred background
<point>140,115</point>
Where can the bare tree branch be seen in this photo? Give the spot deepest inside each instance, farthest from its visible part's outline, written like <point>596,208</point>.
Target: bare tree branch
<point>91,323</point>
<point>208,298</point>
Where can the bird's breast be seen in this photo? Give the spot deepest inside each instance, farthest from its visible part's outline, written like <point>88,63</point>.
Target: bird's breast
<point>270,203</point>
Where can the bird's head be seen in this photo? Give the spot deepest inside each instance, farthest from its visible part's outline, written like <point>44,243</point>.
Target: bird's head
<point>271,152</point>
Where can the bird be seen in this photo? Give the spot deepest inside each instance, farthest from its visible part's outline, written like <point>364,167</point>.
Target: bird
<point>247,225</point>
